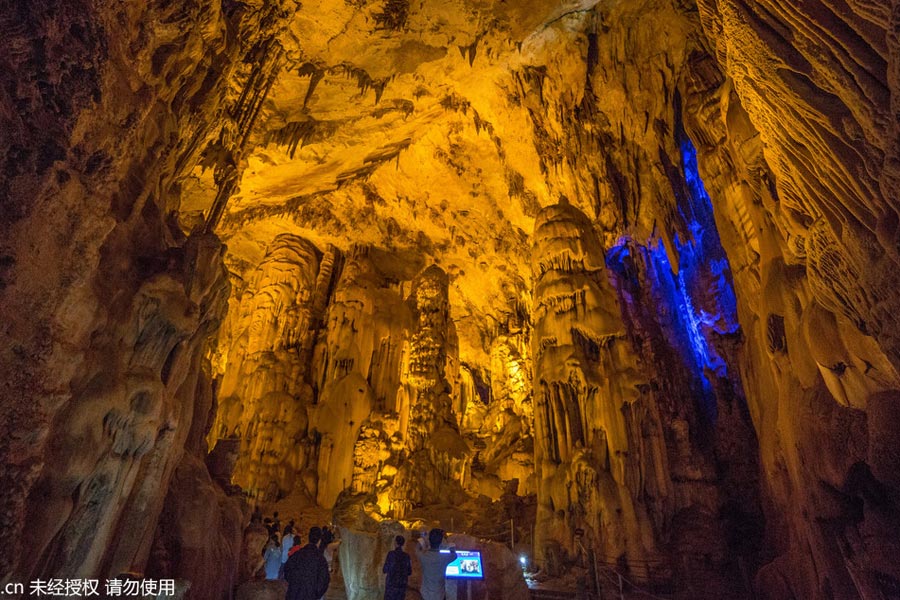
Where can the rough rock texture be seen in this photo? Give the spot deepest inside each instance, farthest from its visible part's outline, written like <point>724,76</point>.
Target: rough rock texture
<point>264,395</point>
<point>586,380</point>
<point>806,227</point>
<point>638,259</point>
<point>200,533</point>
<point>105,387</point>
<point>361,555</point>
<point>335,378</point>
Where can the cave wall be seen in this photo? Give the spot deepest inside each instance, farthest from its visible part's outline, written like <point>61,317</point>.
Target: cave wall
<point>806,224</point>
<point>648,455</point>
<point>613,146</point>
<point>105,385</point>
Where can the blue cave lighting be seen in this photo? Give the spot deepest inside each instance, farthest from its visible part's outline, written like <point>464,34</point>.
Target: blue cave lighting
<point>698,295</point>
<point>705,294</point>
<point>702,260</point>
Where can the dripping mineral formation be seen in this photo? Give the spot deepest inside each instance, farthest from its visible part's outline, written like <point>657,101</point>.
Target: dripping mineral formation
<point>609,287</point>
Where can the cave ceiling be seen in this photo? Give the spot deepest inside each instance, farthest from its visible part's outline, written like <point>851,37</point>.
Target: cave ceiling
<point>409,129</point>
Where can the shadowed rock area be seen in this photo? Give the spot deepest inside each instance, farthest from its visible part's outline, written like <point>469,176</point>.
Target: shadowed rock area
<point>608,290</point>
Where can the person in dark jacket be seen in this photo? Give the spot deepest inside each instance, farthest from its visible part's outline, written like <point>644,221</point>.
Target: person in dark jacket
<point>306,570</point>
<point>398,568</point>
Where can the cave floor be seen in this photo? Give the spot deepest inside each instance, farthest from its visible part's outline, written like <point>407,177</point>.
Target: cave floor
<point>336,590</point>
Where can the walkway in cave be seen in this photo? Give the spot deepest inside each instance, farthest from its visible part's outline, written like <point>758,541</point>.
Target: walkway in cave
<point>337,590</point>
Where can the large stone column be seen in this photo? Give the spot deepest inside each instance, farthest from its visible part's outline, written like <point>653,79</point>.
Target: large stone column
<point>358,377</point>
<point>265,391</point>
<point>585,379</point>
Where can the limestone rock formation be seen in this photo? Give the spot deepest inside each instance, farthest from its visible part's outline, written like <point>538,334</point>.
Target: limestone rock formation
<point>265,389</point>
<point>332,380</point>
<point>622,273</point>
<point>105,385</point>
<point>586,379</point>
<point>200,534</point>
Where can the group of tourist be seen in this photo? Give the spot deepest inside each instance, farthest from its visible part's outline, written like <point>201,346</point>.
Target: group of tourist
<point>307,568</point>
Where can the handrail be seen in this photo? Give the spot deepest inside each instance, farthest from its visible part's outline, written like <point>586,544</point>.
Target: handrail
<point>634,588</point>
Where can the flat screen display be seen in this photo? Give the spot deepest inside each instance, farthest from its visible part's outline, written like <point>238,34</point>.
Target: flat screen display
<point>466,566</point>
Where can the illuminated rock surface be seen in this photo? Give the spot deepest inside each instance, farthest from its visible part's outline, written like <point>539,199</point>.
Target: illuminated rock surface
<point>622,273</point>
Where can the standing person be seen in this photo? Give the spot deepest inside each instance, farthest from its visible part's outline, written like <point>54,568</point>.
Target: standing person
<point>306,570</point>
<point>398,568</point>
<point>327,546</point>
<point>327,538</point>
<point>298,543</point>
<point>434,565</point>
<point>276,522</point>
<point>272,557</point>
<point>287,542</point>
<point>330,550</point>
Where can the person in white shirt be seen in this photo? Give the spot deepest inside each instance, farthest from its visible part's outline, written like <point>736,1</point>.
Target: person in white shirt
<point>287,542</point>
<point>272,557</point>
<point>434,565</point>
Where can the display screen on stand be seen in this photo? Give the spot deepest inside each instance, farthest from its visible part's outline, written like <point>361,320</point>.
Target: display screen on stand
<point>467,565</point>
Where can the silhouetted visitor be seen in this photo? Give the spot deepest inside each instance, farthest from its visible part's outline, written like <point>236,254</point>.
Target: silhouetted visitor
<point>327,538</point>
<point>268,523</point>
<point>434,564</point>
<point>272,557</point>
<point>398,568</point>
<point>306,570</point>
<point>276,523</point>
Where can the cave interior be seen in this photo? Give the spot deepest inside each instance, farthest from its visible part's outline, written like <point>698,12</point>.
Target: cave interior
<point>609,290</point>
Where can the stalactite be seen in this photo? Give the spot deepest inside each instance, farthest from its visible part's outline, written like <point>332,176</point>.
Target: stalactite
<point>245,114</point>
<point>393,16</point>
<point>297,134</point>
